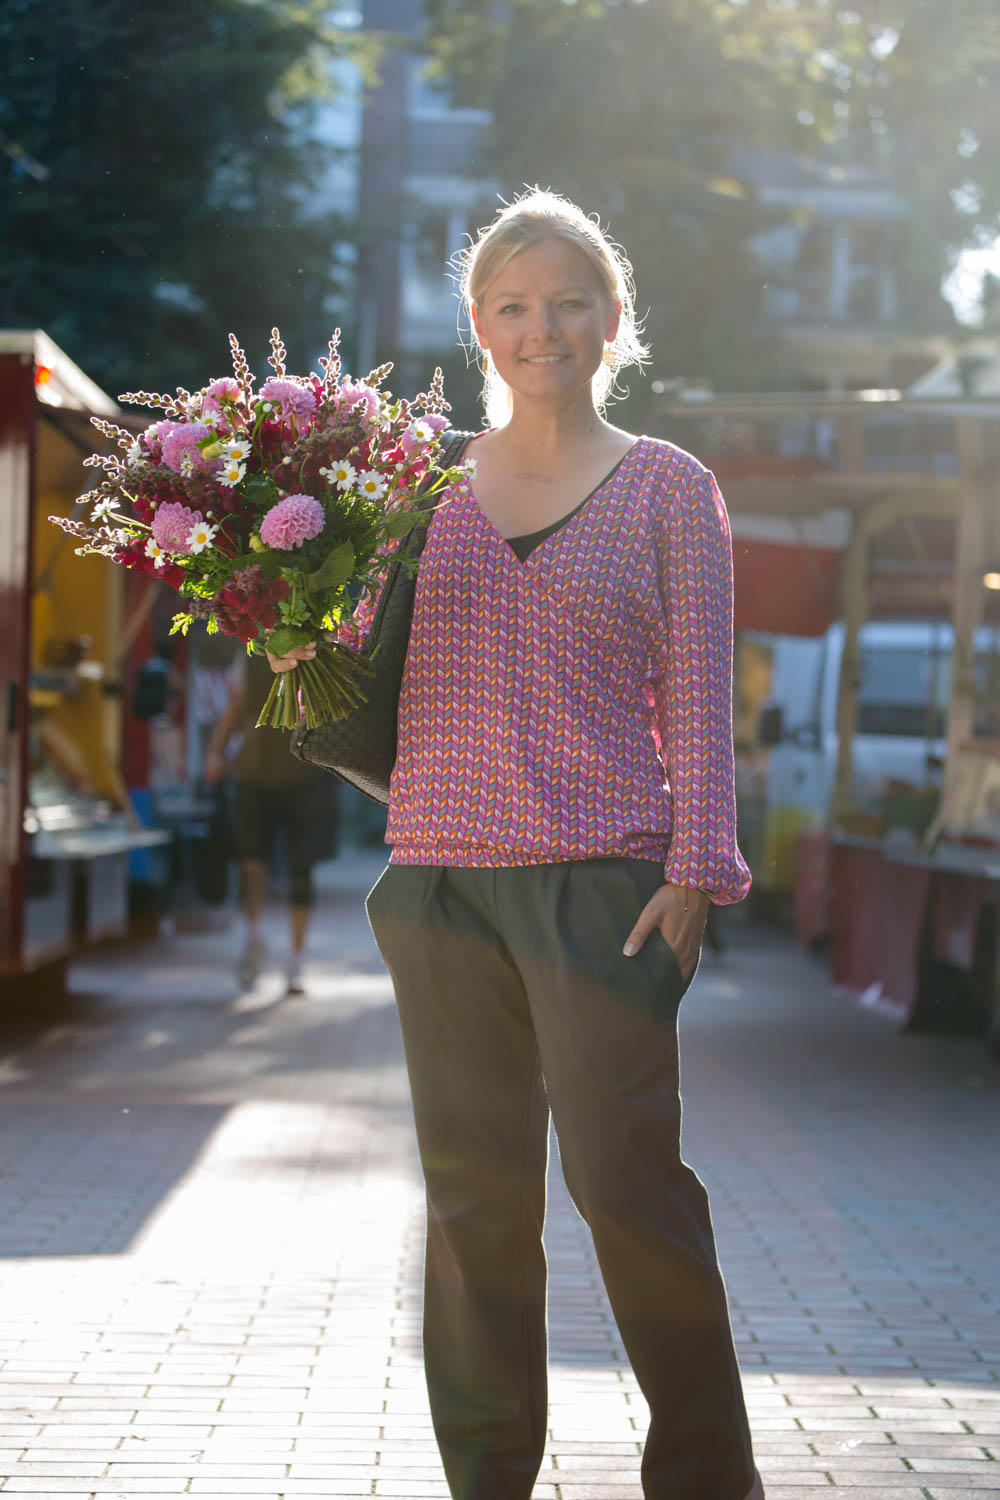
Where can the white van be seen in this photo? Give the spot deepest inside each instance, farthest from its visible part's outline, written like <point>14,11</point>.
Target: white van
<point>905,671</point>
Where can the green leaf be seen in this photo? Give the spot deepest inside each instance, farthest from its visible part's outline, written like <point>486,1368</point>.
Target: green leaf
<point>181,623</point>
<point>282,641</point>
<point>400,524</point>
<point>334,571</point>
<point>260,489</point>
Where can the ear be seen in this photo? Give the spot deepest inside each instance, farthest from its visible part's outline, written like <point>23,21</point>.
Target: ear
<point>614,320</point>
<point>478,327</point>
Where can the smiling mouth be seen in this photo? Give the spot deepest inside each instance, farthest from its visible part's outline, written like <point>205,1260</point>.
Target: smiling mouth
<point>544,359</point>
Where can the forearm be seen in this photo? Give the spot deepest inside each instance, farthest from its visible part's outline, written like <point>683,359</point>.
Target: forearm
<point>693,699</point>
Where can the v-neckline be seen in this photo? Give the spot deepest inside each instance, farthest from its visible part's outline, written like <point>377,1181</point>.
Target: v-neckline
<point>563,524</point>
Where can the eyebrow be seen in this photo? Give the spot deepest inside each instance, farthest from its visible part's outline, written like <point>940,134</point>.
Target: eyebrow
<point>559,292</point>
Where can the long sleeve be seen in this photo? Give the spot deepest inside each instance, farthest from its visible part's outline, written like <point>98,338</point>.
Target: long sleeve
<point>693,695</point>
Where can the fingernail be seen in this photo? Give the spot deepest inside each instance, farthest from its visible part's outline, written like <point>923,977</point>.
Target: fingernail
<point>630,950</point>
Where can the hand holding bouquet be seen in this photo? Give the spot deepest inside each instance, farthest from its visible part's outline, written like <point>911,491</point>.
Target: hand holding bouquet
<point>272,513</point>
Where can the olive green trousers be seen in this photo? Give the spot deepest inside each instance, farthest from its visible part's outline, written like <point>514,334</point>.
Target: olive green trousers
<point>515,999</point>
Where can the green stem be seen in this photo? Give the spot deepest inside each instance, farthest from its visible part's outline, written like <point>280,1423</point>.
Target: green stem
<point>320,690</point>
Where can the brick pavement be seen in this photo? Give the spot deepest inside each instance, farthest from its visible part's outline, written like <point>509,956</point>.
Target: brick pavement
<point>210,1225</point>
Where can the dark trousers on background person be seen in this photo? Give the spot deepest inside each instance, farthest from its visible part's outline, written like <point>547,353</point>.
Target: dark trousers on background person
<point>515,998</point>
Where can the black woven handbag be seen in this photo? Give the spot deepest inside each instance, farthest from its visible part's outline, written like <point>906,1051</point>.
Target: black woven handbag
<point>361,749</point>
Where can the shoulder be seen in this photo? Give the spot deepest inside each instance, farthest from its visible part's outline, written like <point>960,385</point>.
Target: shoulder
<point>674,478</point>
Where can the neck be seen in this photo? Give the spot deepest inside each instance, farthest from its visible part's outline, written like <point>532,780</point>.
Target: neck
<point>544,429</point>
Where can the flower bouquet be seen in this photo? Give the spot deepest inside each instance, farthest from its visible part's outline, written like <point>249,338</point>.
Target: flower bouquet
<point>272,513</point>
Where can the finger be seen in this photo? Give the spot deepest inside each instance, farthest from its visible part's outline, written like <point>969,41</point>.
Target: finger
<point>640,932</point>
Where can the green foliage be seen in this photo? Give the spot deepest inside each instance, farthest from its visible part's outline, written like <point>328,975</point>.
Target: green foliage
<point>334,571</point>
<point>260,491</point>
<point>634,109</point>
<point>172,181</point>
<point>282,641</point>
<point>915,86</point>
<point>400,525</point>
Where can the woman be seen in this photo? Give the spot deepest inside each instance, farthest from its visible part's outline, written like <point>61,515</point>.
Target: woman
<point>543,908</point>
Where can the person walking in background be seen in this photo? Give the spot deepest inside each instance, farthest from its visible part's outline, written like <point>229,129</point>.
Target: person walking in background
<point>561,815</point>
<point>274,795</point>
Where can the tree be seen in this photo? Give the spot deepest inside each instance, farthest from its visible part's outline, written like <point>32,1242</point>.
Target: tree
<point>161,181</point>
<point>636,109</point>
<point>632,110</point>
<point>910,88</point>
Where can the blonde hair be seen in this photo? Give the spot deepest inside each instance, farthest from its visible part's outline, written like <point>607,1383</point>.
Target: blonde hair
<point>538,215</point>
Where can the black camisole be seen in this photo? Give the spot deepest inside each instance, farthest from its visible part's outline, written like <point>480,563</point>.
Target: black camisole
<point>523,546</point>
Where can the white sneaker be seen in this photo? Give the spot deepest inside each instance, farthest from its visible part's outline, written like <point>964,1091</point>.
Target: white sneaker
<point>293,977</point>
<point>251,960</point>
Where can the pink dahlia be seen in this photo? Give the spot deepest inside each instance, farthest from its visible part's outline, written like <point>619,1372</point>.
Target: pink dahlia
<point>225,389</point>
<point>292,402</point>
<point>155,435</point>
<point>294,520</point>
<point>357,399</point>
<point>180,447</point>
<point>171,526</point>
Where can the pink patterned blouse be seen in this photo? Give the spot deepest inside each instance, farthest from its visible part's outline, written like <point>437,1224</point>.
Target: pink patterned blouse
<point>578,704</point>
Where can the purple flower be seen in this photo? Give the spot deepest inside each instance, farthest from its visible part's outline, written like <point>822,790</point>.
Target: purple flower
<point>171,526</point>
<point>291,401</point>
<point>294,520</point>
<point>180,447</point>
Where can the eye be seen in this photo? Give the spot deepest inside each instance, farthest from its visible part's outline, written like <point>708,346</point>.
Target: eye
<point>510,307</point>
<point>574,302</point>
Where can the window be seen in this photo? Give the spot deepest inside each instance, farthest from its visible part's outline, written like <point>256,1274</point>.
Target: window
<point>903,691</point>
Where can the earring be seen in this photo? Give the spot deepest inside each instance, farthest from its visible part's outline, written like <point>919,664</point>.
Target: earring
<point>608,357</point>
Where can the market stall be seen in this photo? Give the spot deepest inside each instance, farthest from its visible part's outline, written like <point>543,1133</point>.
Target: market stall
<point>67,625</point>
<point>886,825</point>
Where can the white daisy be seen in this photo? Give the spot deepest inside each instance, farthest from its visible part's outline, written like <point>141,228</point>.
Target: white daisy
<point>134,454</point>
<point>471,467</point>
<point>342,474</point>
<point>156,552</point>
<point>237,450</point>
<point>187,466</point>
<point>231,472</point>
<point>103,509</point>
<point>422,431</point>
<point>371,484</point>
<point>201,536</point>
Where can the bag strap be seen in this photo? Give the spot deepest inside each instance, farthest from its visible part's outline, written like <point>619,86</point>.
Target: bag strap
<point>453,445</point>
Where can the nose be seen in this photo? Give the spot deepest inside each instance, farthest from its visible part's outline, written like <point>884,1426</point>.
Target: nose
<point>546,326</point>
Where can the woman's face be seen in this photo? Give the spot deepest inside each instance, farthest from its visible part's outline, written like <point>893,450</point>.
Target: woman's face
<point>545,321</point>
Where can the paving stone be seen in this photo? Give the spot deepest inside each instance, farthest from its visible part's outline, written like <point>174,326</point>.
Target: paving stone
<point>211,1231</point>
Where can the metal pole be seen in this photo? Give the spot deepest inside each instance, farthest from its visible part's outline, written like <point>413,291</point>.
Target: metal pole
<point>967,605</point>
<point>854,608</point>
